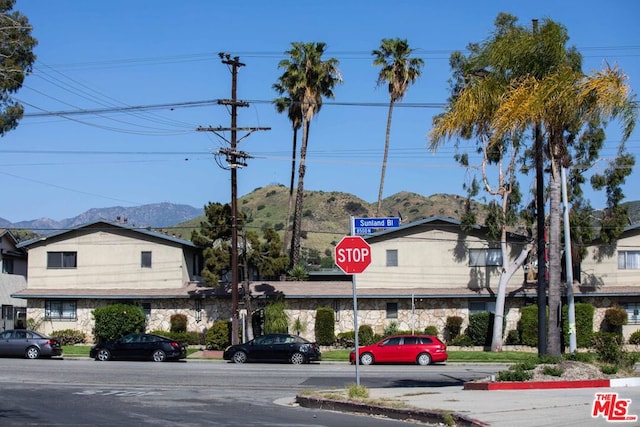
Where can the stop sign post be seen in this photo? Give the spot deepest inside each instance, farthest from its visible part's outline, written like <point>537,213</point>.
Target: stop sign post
<point>353,254</point>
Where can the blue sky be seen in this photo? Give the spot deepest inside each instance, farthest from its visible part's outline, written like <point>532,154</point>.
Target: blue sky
<point>114,54</point>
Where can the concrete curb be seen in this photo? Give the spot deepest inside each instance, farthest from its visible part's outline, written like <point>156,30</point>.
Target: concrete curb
<point>404,414</point>
<point>545,385</point>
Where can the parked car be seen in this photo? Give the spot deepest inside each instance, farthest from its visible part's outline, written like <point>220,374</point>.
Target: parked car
<point>274,348</point>
<point>139,347</point>
<point>420,349</point>
<point>29,344</point>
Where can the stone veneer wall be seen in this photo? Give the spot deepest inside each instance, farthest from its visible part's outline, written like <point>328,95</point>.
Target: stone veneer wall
<point>372,312</point>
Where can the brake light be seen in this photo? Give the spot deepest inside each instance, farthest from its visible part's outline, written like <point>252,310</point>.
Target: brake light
<point>52,343</point>
<point>175,345</point>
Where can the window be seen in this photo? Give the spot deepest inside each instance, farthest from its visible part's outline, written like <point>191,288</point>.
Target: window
<point>392,310</point>
<point>198,261</point>
<point>145,259</point>
<point>392,257</point>
<point>60,310</point>
<point>62,259</point>
<point>392,341</point>
<point>628,260</point>
<point>7,312</point>
<point>485,257</point>
<point>7,266</point>
<point>633,313</point>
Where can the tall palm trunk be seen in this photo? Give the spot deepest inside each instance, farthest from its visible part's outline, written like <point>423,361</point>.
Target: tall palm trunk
<point>293,178</point>
<point>554,285</point>
<point>384,158</point>
<point>294,259</point>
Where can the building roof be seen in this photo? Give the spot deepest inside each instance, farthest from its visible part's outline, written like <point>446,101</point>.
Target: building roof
<point>308,290</point>
<point>435,220</point>
<point>106,225</point>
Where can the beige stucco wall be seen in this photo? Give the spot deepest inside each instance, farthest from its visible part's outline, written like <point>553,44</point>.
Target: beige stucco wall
<point>108,259</point>
<point>600,267</point>
<point>433,258</point>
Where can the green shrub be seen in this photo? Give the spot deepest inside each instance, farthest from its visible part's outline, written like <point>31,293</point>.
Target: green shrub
<point>178,322</point>
<point>391,329</point>
<point>117,320</point>
<point>608,346</point>
<point>346,339</point>
<point>480,328</point>
<point>325,326</point>
<point>635,338</point>
<point>69,336</point>
<point>614,318</point>
<point>580,357</point>
<point>528,325</point>
<point>365,335</point>
<point>431,330</point>
<point>514,375</point>
<point>553,371</point>
<point>584,324</point>
<point>608,369</point>
<point>218,336</point>
<point>452,328</point>
<point>462,341</point>
<point>188,338</point>
<point>513,337</point>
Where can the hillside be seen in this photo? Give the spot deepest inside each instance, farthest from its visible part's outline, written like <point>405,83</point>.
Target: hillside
<point>326,215</point>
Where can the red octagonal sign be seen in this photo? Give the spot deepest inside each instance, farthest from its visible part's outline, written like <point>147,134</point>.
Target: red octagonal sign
<point>353,254</point>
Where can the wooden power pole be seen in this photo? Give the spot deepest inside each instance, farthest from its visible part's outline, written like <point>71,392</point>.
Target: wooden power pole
<point>235,159</point>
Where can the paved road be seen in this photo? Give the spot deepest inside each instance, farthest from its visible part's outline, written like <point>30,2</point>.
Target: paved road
<point>85,392</point>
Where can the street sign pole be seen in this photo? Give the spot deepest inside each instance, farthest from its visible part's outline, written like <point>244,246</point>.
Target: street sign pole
<point>355,314</point>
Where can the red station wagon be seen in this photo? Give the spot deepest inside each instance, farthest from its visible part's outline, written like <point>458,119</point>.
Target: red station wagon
<point>420,349</point>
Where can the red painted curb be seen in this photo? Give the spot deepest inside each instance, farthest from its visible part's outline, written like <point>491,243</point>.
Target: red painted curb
<point>533,385</point>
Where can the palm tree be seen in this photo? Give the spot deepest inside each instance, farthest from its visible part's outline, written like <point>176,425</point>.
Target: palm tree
<point>294,113</point>
<point>564,102</point>
<point>307,78</point>
<point>469,114</point>
<point>399,71</point>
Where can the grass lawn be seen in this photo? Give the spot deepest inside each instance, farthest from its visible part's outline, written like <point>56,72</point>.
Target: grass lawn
<point>343,355</point>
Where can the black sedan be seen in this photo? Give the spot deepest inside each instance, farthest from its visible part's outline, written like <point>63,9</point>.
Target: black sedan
<point>29,344</point>
<point>139,347</point>
<point>274,348</point>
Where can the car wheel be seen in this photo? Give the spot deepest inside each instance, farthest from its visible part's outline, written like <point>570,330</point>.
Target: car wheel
<point>239,357</point>
<point>103,355</point>
<point>32,353</point>
<point>297,358</point>
<point>366,359</point>
<point>159,356</point>
<point>424,359</point>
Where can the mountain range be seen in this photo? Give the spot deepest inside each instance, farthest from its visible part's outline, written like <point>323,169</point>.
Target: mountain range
<point>156,215</point>
<point>325,217</point>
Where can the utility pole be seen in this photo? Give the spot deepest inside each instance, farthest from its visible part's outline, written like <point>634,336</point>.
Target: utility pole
<point>235,159</point>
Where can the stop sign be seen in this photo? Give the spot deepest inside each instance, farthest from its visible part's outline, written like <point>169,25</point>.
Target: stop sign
<point>353,254</point>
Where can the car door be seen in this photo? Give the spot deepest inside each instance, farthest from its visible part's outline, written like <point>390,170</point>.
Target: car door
<point>262,348</point>
<point>411,347</point>
<point>7,344</point>
<point>127,347</point>
<point>283,347</point>
<point>388,351</point>
<point>18,342</point>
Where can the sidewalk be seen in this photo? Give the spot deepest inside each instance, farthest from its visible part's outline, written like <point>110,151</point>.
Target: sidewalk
<point>567,403</point>
<point>501,408</point>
